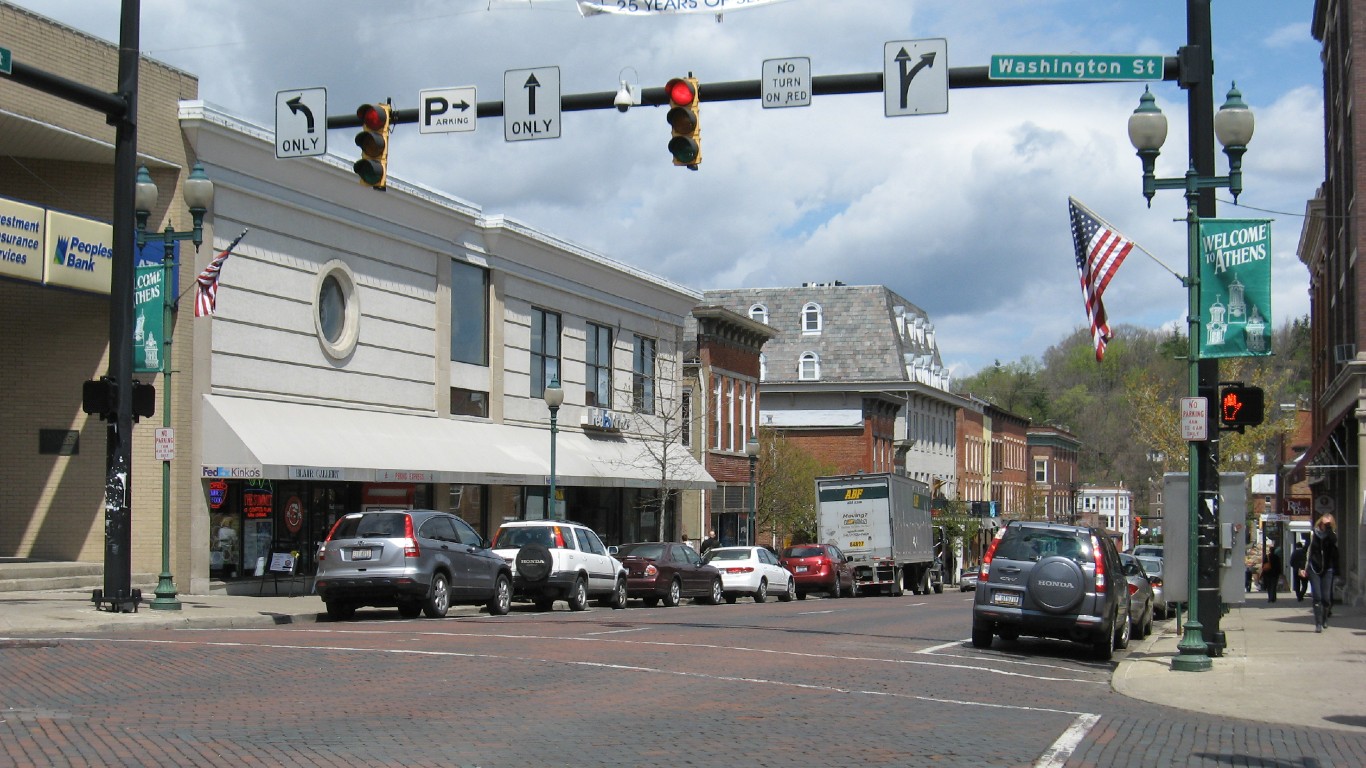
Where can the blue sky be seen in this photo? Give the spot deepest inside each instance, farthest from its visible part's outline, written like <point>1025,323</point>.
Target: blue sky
<point>964,214</point>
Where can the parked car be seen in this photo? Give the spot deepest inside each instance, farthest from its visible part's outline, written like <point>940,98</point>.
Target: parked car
<point>1153,567</point>
<point>559,560</point>
<point>967,581</point>
<point>820,568</point>
<point>1142,605</point>
<point>418,560</point>
<point>752,572</point>
<point>668,571</point>
<point>1147,550</point>
<point>1052,580</point>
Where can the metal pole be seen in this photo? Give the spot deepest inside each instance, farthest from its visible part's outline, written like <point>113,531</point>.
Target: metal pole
<point>165,599</point>
<point>118,537</point>
<point>550,503</point>
<point>753,498</point>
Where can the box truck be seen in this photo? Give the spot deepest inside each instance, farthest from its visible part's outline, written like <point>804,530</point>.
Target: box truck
<point>882,524</point>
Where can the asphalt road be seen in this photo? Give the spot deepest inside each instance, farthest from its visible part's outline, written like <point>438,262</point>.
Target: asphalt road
<point>874,681</point>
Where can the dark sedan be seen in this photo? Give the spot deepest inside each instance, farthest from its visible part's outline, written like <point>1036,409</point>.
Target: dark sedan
<point>668,571</point>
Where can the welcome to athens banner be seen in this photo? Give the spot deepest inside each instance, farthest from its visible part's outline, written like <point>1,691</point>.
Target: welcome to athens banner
<point>656,7</point>
<point>1235,288</point>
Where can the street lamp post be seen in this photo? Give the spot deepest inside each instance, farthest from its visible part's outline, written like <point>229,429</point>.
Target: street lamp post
<point>752,451</point>
<point>1233,127</point>
<point>554,398</point>
<point>198,197</point>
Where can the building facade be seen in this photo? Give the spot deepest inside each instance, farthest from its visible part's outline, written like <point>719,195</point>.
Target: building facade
<point>1054,474</point>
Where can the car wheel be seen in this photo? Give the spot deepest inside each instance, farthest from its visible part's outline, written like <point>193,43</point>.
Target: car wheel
<point>854,590</point>
<point>1104,644</point>
<point>533,562</point>
<point>675,594</point>
<point>501,602</point>
<point>545,603</point>
<point>981,635</point>
<point>1148,625</point>
<point>616,600</point>
<point>716,595</point>
<point>1122,638</point>
<point>791,593</point>
<point>836,592</point>
<point>438,601</point>
<point>339,611</point>
<point>578,595</point>
<point>410,610</point>
<point>761,594</point>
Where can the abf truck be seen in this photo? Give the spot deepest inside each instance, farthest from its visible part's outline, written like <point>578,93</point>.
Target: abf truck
<point>882,524</point>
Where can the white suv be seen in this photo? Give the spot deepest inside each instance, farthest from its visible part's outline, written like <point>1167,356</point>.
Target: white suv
<point>559,560</point>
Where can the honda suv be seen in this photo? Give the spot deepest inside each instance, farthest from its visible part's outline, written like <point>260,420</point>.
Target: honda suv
<point>418,560</point>
<point>559,560</point>
<point>1048,580</point>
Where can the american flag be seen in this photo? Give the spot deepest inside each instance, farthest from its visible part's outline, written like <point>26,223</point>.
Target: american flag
<point>206,284</point>
<point>1100,251</point>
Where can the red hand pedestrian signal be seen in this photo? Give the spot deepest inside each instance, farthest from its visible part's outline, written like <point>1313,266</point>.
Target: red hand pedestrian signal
<point>1241,406</point>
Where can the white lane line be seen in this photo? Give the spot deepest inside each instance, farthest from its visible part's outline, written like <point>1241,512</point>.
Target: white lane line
<point>934,650</point>
<point>813,613</point>
<point>942,646</point>
<point>616,631</point>
<point>1060,750</point>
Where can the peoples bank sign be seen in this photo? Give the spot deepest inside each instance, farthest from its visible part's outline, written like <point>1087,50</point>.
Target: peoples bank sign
<point>54,248</point>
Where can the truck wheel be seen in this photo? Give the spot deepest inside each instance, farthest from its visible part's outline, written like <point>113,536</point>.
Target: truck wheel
<point>939,586</point>
<point>898,589</point>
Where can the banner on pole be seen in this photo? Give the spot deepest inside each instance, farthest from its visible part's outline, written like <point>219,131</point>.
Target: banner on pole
<point>1235,287</point>
<point>149,335</point>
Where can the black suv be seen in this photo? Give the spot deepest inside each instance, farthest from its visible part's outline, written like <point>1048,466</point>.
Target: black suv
<point>1049,580</point>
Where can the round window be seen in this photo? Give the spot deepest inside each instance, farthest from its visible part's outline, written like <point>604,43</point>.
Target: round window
<point>336,310</point>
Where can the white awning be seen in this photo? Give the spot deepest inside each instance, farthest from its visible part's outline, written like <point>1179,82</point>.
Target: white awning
<point>245,437</point>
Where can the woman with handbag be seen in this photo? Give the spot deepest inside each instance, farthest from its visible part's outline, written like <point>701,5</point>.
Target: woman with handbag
<point>1320,569</point>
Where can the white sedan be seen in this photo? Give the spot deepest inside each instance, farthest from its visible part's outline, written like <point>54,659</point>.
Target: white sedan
<point>752,571</point>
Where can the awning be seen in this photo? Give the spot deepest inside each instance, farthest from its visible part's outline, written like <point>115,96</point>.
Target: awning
<point>250,438</point>
<point>1309,460</point>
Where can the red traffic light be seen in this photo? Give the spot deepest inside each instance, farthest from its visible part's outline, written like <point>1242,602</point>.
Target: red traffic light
<point>372,117</point>
<point>681,92</point>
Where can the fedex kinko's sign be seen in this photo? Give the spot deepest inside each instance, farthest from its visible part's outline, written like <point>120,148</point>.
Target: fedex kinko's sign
<point>606,420</point>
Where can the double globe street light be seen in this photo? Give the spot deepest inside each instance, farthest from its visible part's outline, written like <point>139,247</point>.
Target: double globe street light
<point>198,194</point>
<point>1233,126</point>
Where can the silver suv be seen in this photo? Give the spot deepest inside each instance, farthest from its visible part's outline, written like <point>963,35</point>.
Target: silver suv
<point>1049,580</point>
<point>418,560</point>
<point>559,560</point>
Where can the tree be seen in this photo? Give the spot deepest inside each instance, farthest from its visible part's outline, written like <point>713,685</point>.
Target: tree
<point>786,480</point>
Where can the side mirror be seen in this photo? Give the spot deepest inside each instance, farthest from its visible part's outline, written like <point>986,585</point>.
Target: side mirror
<point>612,550</point>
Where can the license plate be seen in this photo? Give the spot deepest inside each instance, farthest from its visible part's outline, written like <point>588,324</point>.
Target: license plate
<point>1005,598</point>
<point>361,554</point>
<point>801,569</point>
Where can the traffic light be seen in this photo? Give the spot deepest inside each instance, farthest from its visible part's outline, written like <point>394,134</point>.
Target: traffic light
<point>684,100</point>
<point>373,140</point>
<point>99,397</point>
<point>1241,406</point>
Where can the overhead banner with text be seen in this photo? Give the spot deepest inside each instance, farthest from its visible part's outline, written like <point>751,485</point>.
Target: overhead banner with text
<point>1235,288</point>
<point>656,7</point>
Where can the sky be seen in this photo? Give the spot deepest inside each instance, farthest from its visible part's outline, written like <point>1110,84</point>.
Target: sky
<point>964,213</point>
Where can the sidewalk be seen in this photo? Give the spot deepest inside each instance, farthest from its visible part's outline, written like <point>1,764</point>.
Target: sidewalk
<point>1275,669</point>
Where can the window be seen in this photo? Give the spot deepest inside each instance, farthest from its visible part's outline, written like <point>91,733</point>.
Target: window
<point>336,310</point>
<point>685,420</point>
<point>763,367</point>
<point>643,376</point>
<point>545,351</point>
<point>469,402</point>
<point>759,312</point>
<point>811,318</point>
<point>598,366</point>
<point>469,313</point>
<point>1040,470</point>
<point>809,369</point>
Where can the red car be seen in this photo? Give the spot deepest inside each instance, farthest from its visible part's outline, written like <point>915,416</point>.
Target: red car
<point>820,568</point>
<point>668,571</point>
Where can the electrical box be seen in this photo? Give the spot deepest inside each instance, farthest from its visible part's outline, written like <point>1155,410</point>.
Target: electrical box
<point>1232,533</point>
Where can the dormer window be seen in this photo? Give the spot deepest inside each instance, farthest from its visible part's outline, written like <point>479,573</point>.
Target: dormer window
<point>759,313</point>
<point>809,367</point>
<point>811,318</point>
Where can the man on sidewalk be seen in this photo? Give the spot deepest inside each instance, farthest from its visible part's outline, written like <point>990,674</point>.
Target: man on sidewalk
<point>1298,582</point>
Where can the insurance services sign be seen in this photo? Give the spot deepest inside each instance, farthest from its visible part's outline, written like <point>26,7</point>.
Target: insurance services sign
<point>55,248</point>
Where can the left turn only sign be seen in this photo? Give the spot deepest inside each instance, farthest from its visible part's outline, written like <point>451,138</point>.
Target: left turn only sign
<point>301,122</point>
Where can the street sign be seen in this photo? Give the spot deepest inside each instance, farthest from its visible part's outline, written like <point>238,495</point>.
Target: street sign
<point>1074,67</point>
<point>301,122</point>
<point>915,77</point>
<point>164,438</point>
<point>786,83</point>
<point>531,104</point>
<point>447,110</point>
<point>6,62</point>
<point>1194,418</point>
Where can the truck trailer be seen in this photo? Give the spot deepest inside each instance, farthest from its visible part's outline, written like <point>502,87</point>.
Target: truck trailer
<point>882,524</point>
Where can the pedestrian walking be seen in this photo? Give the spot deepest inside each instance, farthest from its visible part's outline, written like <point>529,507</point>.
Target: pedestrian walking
<point>1321,561</point>
<point>709,542</point>
<point>1271,571</point>
<point>1298,582</point>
